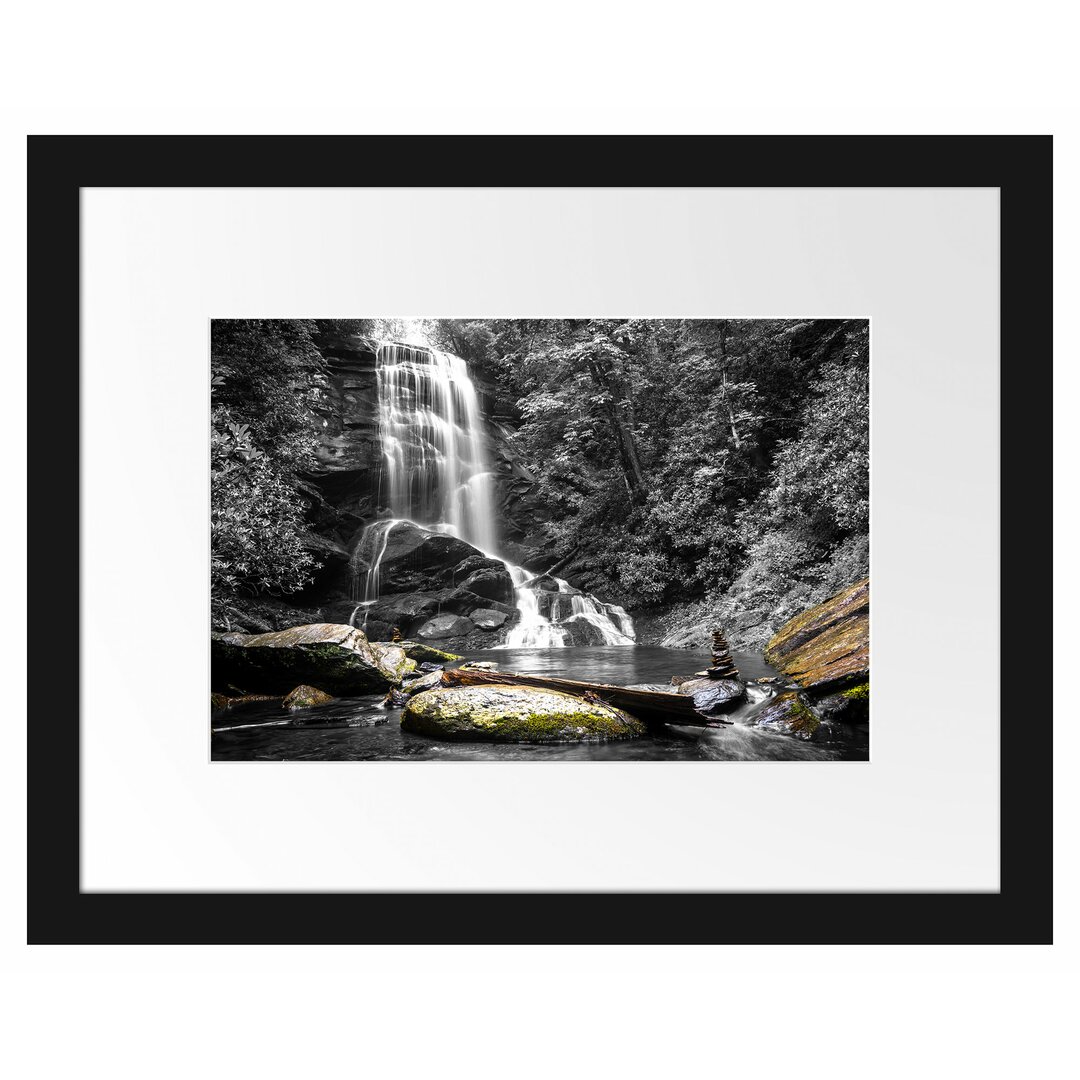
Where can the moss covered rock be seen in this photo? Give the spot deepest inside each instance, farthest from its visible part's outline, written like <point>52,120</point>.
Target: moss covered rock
<point>826,647</point>
<point>306,697</point>
<point>335,657</point>
<point>221,702</point>
<point>790,714</point>
<point>416,650</point>
<point>393,659</point>
<point>515,714</point>
<point>850,706</point>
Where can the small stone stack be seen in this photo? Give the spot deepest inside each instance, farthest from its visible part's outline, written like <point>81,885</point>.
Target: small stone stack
<point>723,667</point>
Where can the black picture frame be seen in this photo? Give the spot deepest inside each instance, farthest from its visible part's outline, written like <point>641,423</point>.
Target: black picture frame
<point>60,166</point>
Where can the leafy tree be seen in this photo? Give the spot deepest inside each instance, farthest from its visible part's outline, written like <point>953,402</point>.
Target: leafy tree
<point>264,377</point>
<point>256,519</point>
<point>671,459</point>
<point>673,456</point>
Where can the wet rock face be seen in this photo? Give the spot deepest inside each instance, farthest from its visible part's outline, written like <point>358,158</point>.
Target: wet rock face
<point>425,654</point>
<point>471,565</point>
<point>514,714</point>
<point>850,706</point>
<point>424,576</point>
<point>414,557</point>
<point>581,632</point>
<point>346,413</point>
<point>446,626</point>
<point>714,696</point>
<point>491,584</point>
<point>488,618</point>
<point>306,697</point>
<point>426,682</point>
<point>338,659</point>
<point>405,610</point>
<point>828,646</point>
<point>787,713</point>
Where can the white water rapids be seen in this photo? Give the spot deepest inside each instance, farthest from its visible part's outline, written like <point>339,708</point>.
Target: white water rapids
<point>435,474</point>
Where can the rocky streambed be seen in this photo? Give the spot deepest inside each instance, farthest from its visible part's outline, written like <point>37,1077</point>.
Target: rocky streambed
<point>326,692</point>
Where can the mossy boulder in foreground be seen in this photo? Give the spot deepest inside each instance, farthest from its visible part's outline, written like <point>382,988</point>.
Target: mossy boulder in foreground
<point>336,658</point>
<point>826,647</point>
<point>515,714</point>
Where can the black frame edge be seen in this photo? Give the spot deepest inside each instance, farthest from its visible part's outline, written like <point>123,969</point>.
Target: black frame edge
<point>59,166</point>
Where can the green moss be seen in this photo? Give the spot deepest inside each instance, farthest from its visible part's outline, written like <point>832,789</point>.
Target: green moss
<point>416,651</point>
<point>344,663</point>
<point>828,645</point>
<point>306,697</point>
<point>515,714</point>
<point>392,661</point>
<point>801,720</point>
<point>857,693</point>
<point>789,713</point>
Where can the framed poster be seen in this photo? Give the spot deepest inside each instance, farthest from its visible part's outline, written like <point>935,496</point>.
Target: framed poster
<point>519,536</point>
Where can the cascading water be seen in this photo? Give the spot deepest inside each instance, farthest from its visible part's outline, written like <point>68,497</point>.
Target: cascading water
<point>533,630</point>
<point>434,467</point>
<point>369,552</point>
<point>435,474</point>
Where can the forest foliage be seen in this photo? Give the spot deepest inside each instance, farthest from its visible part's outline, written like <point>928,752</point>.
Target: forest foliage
<point>681,459</point>
<point>674,460</point>
<point>263,380</point>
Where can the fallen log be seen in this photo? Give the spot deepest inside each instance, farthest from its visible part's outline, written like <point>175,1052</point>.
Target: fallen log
<point>649,705</point>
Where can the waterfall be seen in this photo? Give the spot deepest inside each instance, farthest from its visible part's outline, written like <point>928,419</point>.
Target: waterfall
<point>533,630</point>
<point>369,552</point>
<point>435,474</point>
<point>434,467</point>
<point>610,624</point>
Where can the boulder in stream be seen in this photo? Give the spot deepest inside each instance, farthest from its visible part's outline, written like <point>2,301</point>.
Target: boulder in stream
<point>338,658</point>
<point>306,697</point>
<point>789,714</point>
<point>515,714</point>
<point>850,706</point>
<point>416,650</point>
<point>827,647</point>
<point>714,696</point>
<point>422,653</point>
<point>429,681</point>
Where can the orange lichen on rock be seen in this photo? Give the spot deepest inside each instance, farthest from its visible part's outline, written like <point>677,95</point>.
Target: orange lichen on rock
<point>828,645</point>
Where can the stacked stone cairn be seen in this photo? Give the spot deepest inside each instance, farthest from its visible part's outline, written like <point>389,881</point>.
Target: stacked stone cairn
<point>723,667</point>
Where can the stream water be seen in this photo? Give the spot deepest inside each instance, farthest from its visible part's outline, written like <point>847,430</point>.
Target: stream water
<point>361,729</point>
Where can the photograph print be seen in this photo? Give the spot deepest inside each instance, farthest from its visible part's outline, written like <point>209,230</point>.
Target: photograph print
<point>540,539</point>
